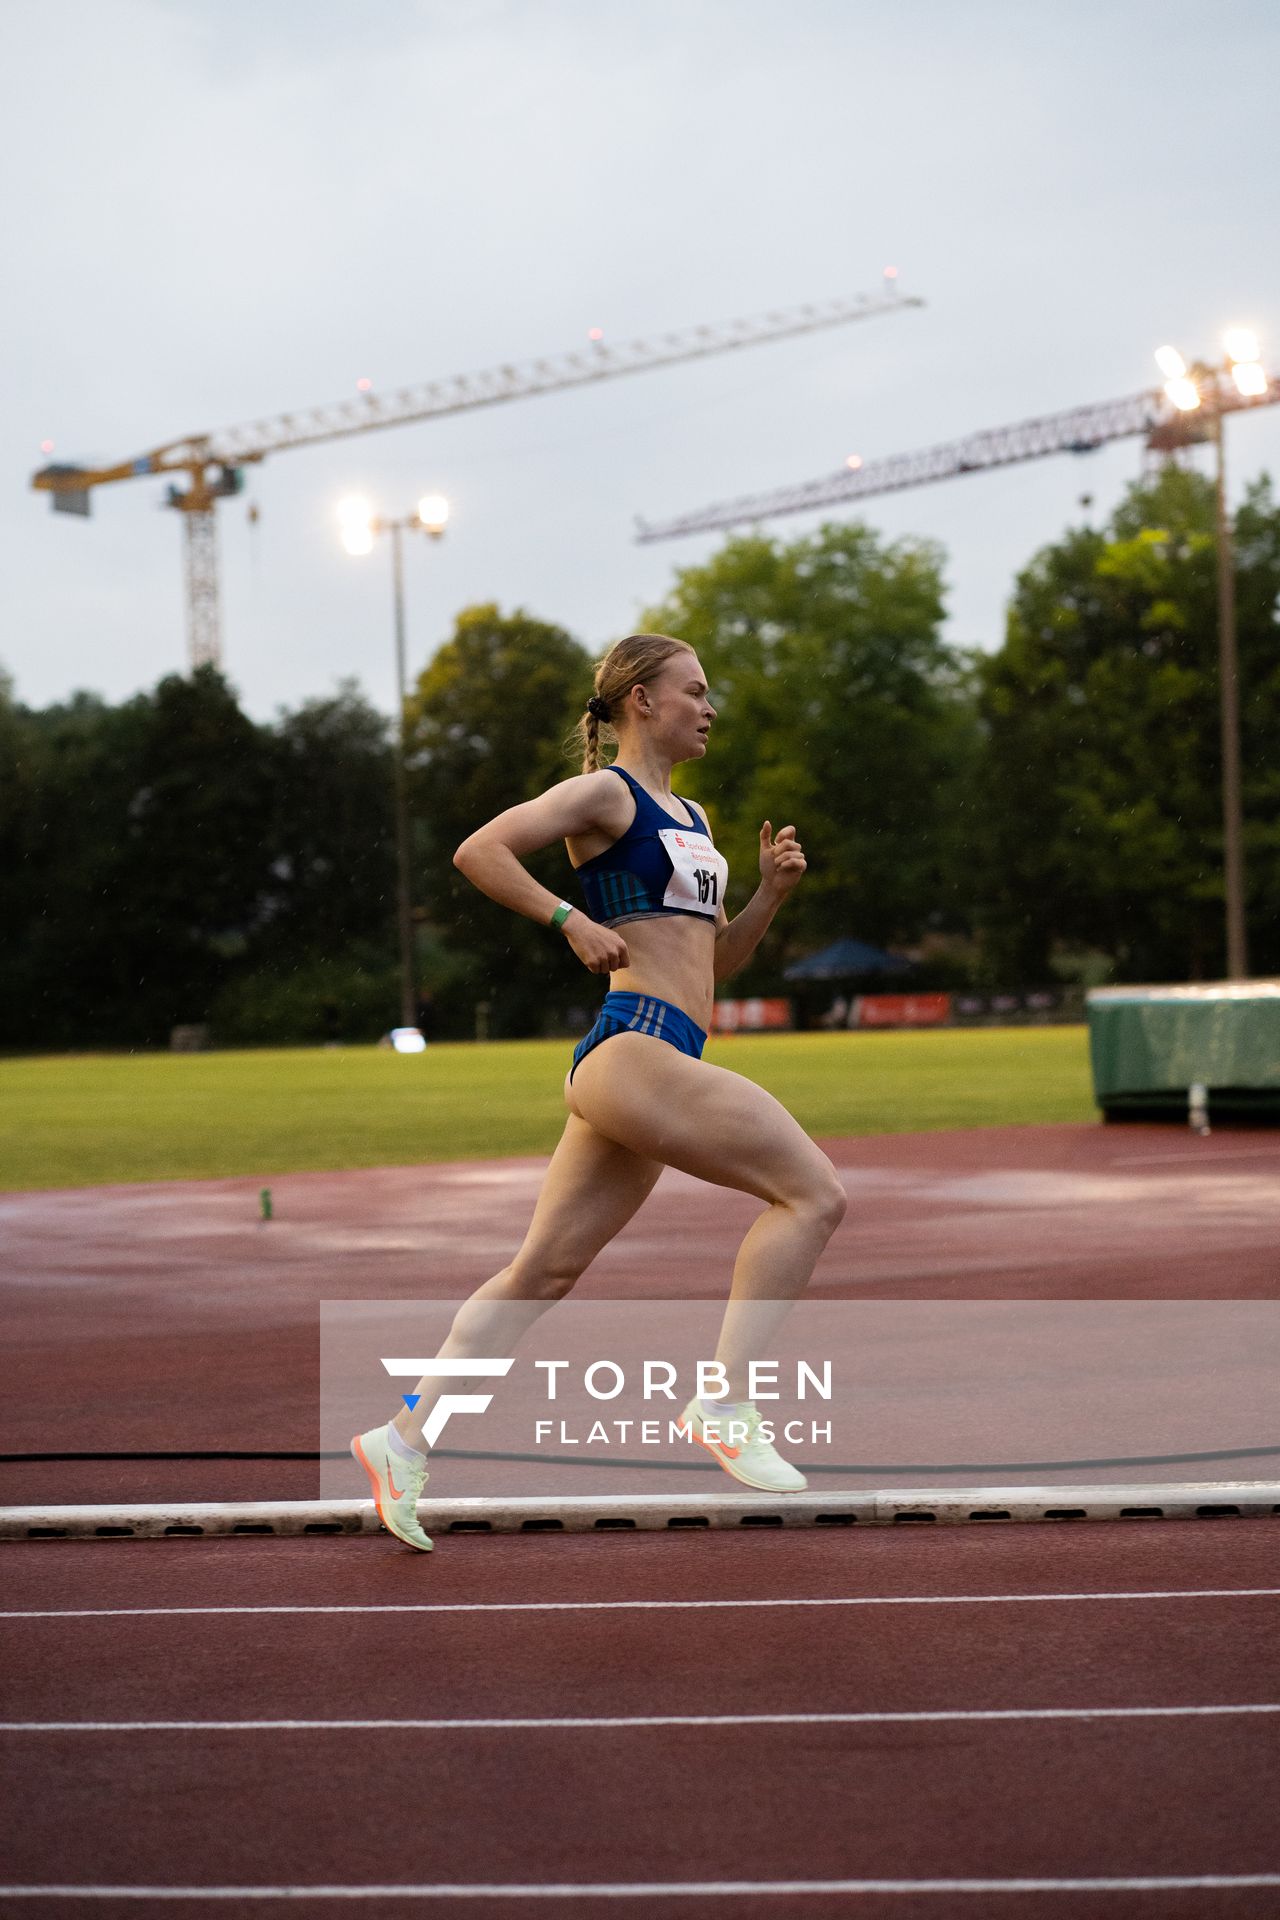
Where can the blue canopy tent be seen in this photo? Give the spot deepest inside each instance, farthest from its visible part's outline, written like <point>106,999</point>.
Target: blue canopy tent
<point>846,959</point>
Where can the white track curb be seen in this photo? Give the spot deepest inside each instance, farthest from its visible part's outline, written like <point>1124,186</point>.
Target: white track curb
<point>584,1513</point>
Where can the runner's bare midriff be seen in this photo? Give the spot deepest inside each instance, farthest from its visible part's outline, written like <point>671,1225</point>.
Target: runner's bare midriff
<point>672,956</point>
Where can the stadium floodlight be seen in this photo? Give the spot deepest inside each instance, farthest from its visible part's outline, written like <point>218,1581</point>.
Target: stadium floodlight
<point>1179,386</point>
<point>1185,394</point>
<point>433,513</point>
<point>1183,388</point>
<point>1247,370</point>
<point>356,520</point>
<point>361,524</point>
<point>1250,378</point>
<point>1240,343</point>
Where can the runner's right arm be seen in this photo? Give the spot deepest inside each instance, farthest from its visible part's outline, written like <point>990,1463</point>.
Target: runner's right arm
<point>490,858</point>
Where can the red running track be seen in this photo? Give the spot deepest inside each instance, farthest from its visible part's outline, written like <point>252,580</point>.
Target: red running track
<point>110,1295</point>
<point>136,1286</point>
<point>1129,1796</point>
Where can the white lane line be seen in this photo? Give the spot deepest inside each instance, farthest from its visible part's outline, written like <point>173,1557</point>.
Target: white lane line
<point>595,1722</point>
<point>657,1889</point>
<point>1183,1159</point>
<point>610,1606</point>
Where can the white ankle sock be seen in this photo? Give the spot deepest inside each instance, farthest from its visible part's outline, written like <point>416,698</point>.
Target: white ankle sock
<point>402,1447</point>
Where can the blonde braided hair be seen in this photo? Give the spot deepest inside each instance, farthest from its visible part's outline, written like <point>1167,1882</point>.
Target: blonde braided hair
<point>637,658</point>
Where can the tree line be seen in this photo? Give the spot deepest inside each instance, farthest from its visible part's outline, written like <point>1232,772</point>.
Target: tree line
<point>1046,811</point>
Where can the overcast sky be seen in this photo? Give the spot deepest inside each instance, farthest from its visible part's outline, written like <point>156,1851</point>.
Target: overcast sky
<point>218,209</point>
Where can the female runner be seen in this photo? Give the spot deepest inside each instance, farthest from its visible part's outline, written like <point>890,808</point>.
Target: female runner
<point>639,1094</point>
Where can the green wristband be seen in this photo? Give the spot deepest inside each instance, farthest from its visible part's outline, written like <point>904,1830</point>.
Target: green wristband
<point>561,914</point>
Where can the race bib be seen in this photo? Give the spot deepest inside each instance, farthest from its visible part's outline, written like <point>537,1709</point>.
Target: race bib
<point>698,872</point>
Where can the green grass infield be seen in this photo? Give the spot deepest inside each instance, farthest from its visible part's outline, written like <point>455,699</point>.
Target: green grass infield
<point>79,1120</point>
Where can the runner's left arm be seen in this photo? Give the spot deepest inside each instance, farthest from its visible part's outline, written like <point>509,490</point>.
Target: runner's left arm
<point>782,863</point>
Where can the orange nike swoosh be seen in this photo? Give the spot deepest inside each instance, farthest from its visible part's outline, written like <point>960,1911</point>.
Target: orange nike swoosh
<point>363,1458</point>
<point>396,1492</point>
<point>717,1448</point>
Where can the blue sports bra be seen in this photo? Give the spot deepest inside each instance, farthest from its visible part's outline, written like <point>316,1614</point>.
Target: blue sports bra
<point>658,866</point>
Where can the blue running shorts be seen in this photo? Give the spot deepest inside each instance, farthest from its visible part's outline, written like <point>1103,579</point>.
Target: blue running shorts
<point>642,1013</point>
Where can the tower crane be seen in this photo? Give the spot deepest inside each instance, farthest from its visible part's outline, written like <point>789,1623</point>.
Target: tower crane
<point>1078,430</point>
<point>1190,408</point>
<point>214,463</point>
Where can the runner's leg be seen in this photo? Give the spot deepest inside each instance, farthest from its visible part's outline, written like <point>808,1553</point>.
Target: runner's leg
<point>592,1187</point>
<point>667,1106</point>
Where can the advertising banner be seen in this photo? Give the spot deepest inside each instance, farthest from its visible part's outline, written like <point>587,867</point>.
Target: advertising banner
<point>1039,1003</point>
<point>901,1010</point>
<point>750,1016</point>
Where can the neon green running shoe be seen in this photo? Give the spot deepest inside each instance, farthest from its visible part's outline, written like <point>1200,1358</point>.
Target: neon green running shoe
<point>396,1483</point>
<point>735,1441</point>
